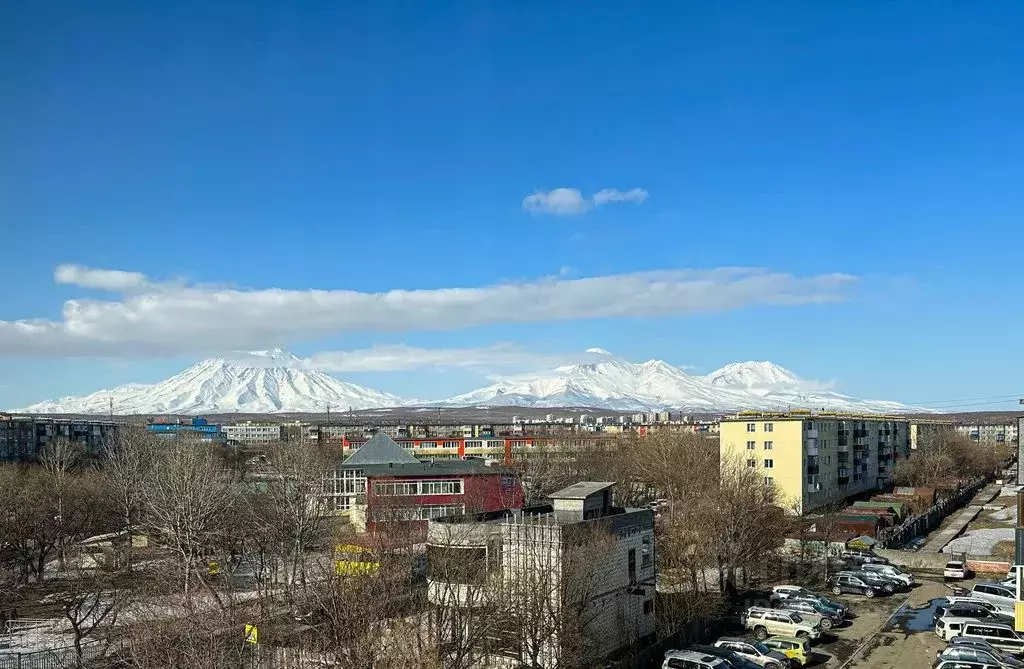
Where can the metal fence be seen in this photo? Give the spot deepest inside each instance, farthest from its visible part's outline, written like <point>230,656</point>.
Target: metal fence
<point>54,658</point>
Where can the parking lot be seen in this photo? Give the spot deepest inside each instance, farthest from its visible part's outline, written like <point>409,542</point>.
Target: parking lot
<point>894,631</point>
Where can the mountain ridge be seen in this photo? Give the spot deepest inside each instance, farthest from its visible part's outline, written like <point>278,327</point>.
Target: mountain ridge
<point>276,381</point>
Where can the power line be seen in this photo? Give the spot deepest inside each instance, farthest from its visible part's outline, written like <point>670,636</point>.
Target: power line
<point>972,399</point>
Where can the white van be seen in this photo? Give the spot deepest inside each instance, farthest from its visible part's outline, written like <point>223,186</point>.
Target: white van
<point>1000,635</point>
<point>997,593</point>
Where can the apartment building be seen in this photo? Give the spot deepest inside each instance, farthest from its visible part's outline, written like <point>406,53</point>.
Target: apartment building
<point>23,438</point>
<point>253,433</point>
<point>382,482</point>
<point>572,577</point>
<point>924,431</point>
<point>816,458</point>
<point>996,433</point>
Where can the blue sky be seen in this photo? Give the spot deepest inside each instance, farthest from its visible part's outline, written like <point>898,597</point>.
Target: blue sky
<point>867,157</point>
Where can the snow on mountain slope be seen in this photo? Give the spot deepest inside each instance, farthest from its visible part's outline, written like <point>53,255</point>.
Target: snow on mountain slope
<point>257,382</point>
<point>753,376</point>
<point>612,383</point>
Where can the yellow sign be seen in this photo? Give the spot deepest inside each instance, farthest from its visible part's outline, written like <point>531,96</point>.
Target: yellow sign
<point>353,567</point>
<point>1018,609</point>
<point>252,635</point>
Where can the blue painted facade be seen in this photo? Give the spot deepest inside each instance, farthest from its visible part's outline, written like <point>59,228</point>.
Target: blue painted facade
<point>197,428</point>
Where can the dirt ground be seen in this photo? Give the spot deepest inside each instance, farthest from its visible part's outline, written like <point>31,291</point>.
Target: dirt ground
<point>888,632</point>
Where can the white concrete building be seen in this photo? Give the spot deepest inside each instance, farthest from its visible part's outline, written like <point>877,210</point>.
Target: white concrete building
<point>252,433</point>
<point>572,577</point>
<point>999,433</point>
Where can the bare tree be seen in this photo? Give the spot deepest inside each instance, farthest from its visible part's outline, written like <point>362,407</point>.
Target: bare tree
<point>60,459</point>
<point>186,499</point>
<point>127,466</point>
<point>90,601</point>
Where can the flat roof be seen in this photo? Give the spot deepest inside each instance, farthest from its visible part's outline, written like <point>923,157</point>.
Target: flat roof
<point>582,490</point>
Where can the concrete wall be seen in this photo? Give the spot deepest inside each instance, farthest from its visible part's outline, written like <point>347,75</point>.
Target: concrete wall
<point>936,561</point>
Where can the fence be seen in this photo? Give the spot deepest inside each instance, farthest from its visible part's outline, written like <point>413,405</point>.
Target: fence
<point>915,526</point>
<point>51,658</point>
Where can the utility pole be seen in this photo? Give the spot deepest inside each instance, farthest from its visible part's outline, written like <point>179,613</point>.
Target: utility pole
<point>111,406</point>
<point>328,404</point>
<point>1018,548</point>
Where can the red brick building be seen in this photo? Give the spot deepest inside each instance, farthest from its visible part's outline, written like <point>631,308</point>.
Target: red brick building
<point>382,482</point>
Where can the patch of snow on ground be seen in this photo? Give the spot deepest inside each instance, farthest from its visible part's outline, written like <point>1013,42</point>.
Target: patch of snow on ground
<point>979,542</point>
<point>1007,513</point>
<point>1010,490</point>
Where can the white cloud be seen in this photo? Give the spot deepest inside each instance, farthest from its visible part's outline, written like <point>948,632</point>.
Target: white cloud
<point>400,357</point>
<point>155,319</point>
<point>103,279</point>
<point>571,202</point>
<point>559,202</point>
<point>607,195</point>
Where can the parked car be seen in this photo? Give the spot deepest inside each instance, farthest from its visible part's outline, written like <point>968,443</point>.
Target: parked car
<point>782,592</point>
<point>840,584</point>
<point>874,579</point>
<point>797,650</point>
<point>979,602</point>
<point>1000,635</point>
<point>889,571</point>
<point>954,569</point>
<point>968,653</point>
<point>1000,595</point>
<point>975,642</point>
<point>863,557</point>
<point>755,651</point>
<point>774,622</point>
<point>687,659</point>
<point>733,658</point>
<point>897,584</point>
<point>957,664</point>
<point>974,610</point>
<point>829,617</point>
<point>830,604</point>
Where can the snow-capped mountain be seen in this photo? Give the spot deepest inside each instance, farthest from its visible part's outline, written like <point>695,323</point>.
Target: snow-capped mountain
<point>278,382</point>
<point>255,382</point>
<point>612,383</point>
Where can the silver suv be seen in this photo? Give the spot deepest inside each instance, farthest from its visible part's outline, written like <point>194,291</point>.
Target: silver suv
<point>775,622</point>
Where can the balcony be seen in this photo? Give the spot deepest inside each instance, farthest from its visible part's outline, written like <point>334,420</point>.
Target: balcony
<point>813,485</point>
<point>844,447</point>
<point>811,434</point>
<point>844,476</point>
<point>860,442</point>
<point>812,447</point>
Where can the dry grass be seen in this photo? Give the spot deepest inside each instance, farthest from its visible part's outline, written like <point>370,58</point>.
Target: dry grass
<point>1003,549</point>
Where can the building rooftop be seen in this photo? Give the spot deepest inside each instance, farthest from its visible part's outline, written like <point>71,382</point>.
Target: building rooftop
<point>804,414</point>
<point>582,490</point>
<point>380,450</point>
<point>428,468</point>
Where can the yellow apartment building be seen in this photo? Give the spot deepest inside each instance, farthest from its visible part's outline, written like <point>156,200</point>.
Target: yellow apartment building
<point>816,458</point>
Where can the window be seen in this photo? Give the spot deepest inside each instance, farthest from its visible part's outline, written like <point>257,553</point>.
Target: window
<point>768,445</point>
<point>649,608</point>
<point>632,566</point>
<point>751,445</point>
<point>645,553</point>
<point>751,427</point>
<point>407,488</point>
<point>769,427</point>
<point>768,463</point>
<point>768,480</point>
<point>751,463</point>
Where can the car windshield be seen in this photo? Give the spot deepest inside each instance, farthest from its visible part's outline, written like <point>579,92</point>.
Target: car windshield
<point>954,565</point>
<point>796,618</point>
<point>761,648</point>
